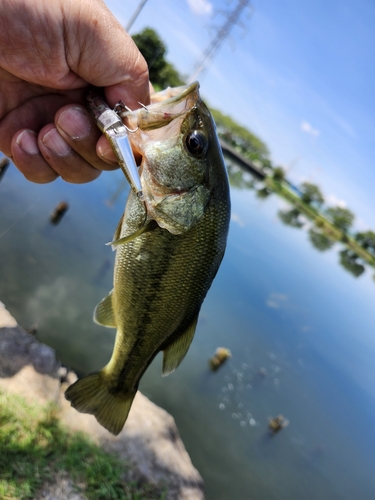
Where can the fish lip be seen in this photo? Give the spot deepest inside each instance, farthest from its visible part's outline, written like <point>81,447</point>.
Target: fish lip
<point>182,93</point>
<point>187,89</point>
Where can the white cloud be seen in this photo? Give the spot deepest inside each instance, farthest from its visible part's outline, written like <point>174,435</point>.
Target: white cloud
<point>334,201</point>
<point>276,300</point>
<point>307,127</point>
<point>236,218</point>
<point>200,7</point>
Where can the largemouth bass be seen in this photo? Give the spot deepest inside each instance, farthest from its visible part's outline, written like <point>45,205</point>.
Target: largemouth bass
<point>169,247</point>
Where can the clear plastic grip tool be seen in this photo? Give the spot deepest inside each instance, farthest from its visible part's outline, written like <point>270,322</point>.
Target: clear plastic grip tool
<point>117,134</point>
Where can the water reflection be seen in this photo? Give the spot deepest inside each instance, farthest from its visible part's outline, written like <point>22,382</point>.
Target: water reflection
<point>324,228</point>
<point>319,240</point>
<point>291,217</point>
<point>300,332</point>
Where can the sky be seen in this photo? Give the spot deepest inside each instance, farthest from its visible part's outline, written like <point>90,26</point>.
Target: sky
<point>300,75</point>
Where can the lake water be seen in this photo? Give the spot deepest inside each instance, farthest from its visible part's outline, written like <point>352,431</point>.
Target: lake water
<point>300,327</point>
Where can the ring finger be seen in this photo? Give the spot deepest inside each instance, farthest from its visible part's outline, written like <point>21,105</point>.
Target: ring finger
<point>63,159</point>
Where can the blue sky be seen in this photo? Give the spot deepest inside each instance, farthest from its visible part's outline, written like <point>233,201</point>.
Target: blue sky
<point>300,75</point>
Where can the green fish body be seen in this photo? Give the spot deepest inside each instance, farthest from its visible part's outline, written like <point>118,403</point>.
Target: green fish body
<point>169,246</point>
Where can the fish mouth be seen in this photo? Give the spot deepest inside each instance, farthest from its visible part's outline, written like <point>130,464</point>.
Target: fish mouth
<point>164,107</point>
<point>172,95</point>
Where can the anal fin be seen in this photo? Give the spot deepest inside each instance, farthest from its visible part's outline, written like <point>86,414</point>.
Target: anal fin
<point>175,352</point>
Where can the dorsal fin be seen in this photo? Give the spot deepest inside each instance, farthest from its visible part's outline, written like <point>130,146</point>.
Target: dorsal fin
<point>175,352</point>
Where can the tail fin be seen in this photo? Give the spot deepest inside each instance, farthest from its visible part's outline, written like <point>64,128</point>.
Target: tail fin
<point>91,394</point>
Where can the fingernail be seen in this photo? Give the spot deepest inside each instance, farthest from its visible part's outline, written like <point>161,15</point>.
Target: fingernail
<point>27,141</point>
<point>75,123</point>
<point>56,144</point>
<point>105,151</point>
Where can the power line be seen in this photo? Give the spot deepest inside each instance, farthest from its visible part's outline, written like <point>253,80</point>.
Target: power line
<point>232,18</point>
<point>135,15</point>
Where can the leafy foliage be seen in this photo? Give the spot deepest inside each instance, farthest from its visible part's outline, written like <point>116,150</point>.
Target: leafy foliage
<point>342,218</point>
<point>153,49</point>
<point>349,260</point>
<point>311,193</point>
<point>239,137</point>
<point>278,174</point>
<point>263,192</point>
<point>367,241</point>
<point>320,241</point>
<point>238,178</point>
<point>290,217</point>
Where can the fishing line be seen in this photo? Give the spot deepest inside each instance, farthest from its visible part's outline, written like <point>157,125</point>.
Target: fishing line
<point>19,218</point>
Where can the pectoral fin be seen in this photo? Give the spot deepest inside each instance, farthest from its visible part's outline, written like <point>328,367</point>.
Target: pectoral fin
<point>175,352</point>
<point>104,314</point>
<point>116,236</point>
<point>144,229</point>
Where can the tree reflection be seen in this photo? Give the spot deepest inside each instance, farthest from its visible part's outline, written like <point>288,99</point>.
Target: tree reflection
<point>311,194</point>
<point>238,178</point>
<point>349,260</point>
<point>291,217</point>
<point>340,217</point>
<point>319,240</point>
<point>331,225</point>
<point>263,192</point>
<point>367,241</point>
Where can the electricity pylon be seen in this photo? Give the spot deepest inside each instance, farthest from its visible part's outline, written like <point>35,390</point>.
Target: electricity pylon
<point>232,18</point>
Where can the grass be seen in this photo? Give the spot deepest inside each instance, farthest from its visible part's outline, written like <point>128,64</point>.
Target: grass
<point>34,447</point>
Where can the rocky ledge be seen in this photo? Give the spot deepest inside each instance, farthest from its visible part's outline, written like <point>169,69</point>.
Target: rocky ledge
<point>149,443</point>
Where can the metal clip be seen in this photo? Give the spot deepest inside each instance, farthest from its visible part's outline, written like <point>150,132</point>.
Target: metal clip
<point>116,132</point>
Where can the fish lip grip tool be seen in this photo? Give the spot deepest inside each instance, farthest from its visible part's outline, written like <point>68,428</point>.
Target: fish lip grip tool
<point>110,123</point>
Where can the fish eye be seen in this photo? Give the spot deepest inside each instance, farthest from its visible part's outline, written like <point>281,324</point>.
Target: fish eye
<point>196,143</point>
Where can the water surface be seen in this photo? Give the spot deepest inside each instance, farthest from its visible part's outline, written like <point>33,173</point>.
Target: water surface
<point>300,328</point>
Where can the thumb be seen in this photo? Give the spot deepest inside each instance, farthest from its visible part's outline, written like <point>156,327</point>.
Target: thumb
<point>99,51</point>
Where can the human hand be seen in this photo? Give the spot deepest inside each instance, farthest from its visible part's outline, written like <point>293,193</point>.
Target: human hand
<point>51,51</point>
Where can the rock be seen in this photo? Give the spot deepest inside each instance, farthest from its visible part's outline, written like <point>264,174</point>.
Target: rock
<point>27,367</point>
<point>6,319</point>
<point>149,443</point>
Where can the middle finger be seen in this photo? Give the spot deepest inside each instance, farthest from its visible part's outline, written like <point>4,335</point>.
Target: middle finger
<point>78,128</point>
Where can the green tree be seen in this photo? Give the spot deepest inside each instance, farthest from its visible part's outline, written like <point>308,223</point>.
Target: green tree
<point>278,174</point>
<point>263,192</point>
<point>311,194</point>
<point>169,76</point>
<point>153,49</point>
<point>238,177</point>
<point>342,218</point>
<point>239,137</point>
<point>320,241</point>
<point>349,260</point>
<point>367,241</point>
<point>291,217</point>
